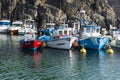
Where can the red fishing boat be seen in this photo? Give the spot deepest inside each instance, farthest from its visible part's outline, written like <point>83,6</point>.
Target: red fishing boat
<point>30,44</point>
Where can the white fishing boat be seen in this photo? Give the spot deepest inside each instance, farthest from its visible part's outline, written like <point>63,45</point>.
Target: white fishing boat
<point>16,25</point>
<point>29,28</point>
<point>4,25</point>
<point>116,38</point>
<point>62,39</point>
<point>76,27</point>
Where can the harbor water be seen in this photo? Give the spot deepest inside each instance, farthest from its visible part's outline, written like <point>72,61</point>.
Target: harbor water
<point>55,64</point>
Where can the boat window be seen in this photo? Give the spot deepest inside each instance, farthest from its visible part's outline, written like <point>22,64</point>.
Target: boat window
<point>60,32</point>
<point>76,26</point>
<point>97,30</point>
<point>114,29</point>
<point>93,30</point>
<point>65,32</point>
<point>51,26</point>
<point>88,30</point>
<point>69,32</point>
<point>16,25</point>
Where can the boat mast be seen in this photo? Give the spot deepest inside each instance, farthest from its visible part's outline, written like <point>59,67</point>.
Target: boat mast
<point>59,13</point>
<point>113,20</point>
<point>81,27</point>
<point>48,15</point>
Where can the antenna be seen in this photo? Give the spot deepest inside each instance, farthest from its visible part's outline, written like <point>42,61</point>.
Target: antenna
<point>60,11</point>
<point>48,14</point>
<point>113,20</point>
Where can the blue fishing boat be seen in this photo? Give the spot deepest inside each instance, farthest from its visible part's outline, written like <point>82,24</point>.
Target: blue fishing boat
<point>92,38</point>
<point>48,31</point>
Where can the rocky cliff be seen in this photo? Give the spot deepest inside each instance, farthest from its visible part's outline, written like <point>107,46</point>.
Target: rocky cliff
<point>57,10</point>
<point>115,4</point>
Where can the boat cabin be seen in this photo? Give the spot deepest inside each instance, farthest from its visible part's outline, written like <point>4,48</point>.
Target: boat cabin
<point>4,22</point>
<point>17,24</point>
<point>115,32</point>
<point>62,32</point>
<point>104,31</point>
<point>91,30</point>
<point>4,25</point>
<point>76,27</point>
<point>29,24</point>
<point>50,25</point>
<point>63,25</point>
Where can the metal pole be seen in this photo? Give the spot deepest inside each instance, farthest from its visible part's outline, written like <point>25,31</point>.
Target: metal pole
<point>81,27</point>
<point>80,31</point>
<point>0,10</point>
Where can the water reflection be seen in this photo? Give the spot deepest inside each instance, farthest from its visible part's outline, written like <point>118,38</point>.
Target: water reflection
<point>107,68</point>
<point>37,58</point>
<point>54,64</point>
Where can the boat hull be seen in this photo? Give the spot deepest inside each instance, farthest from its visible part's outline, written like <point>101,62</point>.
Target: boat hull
<point>94,42</point>
<point>115,43</point>
<point>4,30</point>
<point>13,31</point>
<point>61,43</point>
<point>30,45</point>
<point>26,31</point>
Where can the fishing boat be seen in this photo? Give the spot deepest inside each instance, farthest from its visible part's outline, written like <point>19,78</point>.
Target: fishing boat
<point>49,29</point>
<point>116,37</point>
<point>30,43</point>
<point>29,27</point>
<point>91,37</point>
<point>4,25</point>
<point>16,25</point>
<point>76,26</point>
<point>61,39</point>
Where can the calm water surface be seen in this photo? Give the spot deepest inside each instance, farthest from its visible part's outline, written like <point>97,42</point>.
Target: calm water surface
<point>53,64</point>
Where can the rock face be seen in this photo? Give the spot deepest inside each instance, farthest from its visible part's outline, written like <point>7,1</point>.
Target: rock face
<point>57,10</point>
<point>115,4</point>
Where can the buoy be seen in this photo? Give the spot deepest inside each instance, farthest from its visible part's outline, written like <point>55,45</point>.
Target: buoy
<point>83,50</point>
<point>110,51</point>
<point>50,34</point>
<point>11,33</point>
<point>40,33</point>
<point>43,44</point>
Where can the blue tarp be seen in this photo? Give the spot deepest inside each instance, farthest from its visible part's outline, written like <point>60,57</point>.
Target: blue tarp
<point>4,23</point>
